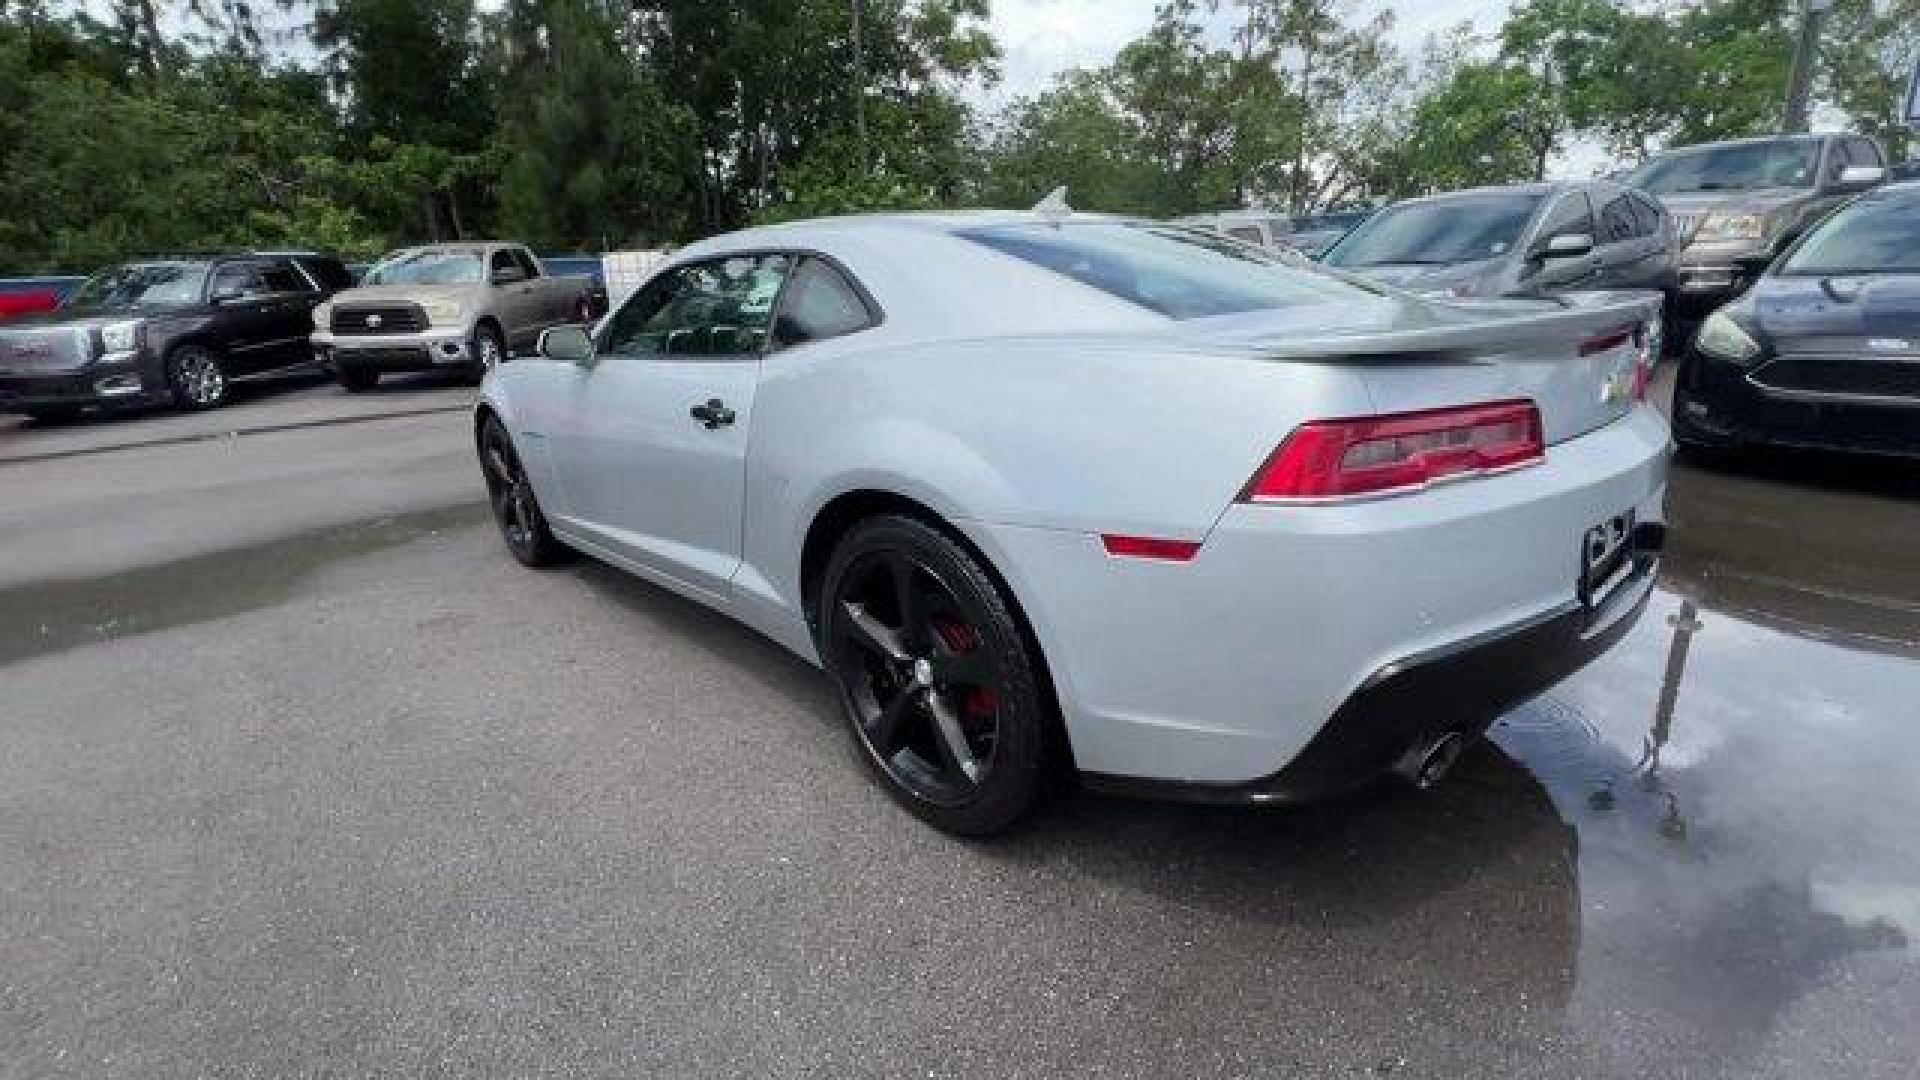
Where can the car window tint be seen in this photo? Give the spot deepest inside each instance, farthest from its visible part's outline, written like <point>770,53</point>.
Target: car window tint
<point>1572,214</point>
<point>721,307</point>
<point>1179,272</point>
<point>525,262</point>
<point>281,277</point>
<point>1867,152</point>
<point>1649,215</point>
<point>501,260</point>
<point>820,303</point>
<point>1435,232</point>
<point>1618,221</point>
<point>1246,232</point>
<point>1873,235</point>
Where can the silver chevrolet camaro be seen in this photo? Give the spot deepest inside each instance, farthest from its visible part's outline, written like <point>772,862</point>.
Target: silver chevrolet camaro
<point>1042,489</point>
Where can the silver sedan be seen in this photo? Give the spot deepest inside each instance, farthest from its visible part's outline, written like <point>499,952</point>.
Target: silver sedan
<point>1048,490</point>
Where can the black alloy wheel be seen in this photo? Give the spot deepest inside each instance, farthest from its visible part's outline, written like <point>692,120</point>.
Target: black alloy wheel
<point>515,509</point>
<point>935,676</point>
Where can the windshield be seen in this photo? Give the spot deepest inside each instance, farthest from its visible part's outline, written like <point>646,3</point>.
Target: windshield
<point>144,285</point>
<point>1872,236</point>
<point>1181,273</point>
<point>1784,163</point>
<point>1441,231</point>
<point>430,266</point>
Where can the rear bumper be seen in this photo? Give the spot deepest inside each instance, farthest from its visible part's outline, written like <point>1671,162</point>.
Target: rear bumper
<point>1723,403</point>
<point>1409,703</point>
<point>1226,671</point>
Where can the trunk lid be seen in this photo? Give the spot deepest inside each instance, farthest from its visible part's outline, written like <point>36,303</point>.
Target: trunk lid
<point>1573,358</point>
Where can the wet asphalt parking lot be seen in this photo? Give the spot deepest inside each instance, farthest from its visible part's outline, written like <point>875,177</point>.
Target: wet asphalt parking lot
<point>301,775</point>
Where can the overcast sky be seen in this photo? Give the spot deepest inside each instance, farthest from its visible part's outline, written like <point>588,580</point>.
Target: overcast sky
<point>1043,37</point>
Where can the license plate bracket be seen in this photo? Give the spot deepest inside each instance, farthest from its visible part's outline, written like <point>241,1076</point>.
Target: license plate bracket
<point>1607,558</point>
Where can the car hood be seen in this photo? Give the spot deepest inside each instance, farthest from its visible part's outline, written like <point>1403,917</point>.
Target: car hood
<point>1415,277</point>
<point>393,294</point>
<point>1877,306</point>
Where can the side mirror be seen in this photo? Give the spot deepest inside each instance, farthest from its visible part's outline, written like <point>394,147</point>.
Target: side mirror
<point>509,275</point>
<point>568,343</point>
<point>1567,246</point>
<point>1862,175</point>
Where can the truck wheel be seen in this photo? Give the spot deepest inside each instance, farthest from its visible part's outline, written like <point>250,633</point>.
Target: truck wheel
<point>484,353</point>
<point>197,378</point>
<point>358,380</point>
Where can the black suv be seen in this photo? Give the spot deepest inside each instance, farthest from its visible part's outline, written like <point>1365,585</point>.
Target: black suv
<point>167,331</point>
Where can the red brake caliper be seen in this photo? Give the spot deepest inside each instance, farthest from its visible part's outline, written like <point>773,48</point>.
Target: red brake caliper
<point>981,702</point>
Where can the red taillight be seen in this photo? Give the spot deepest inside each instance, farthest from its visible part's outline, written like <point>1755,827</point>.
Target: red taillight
<point>1378,455</point>
<point>1150,547</point>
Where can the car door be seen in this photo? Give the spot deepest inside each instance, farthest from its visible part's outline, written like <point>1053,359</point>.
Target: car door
<point>245,324</point>
<point>548,306</point>
<point>1632,254</point>
<point>1571,213</point>
<point>649,441</point>
<point>515,299</point>
<point>290,296</point>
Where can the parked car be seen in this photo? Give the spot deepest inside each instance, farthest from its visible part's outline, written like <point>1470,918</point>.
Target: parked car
<point>1824,350</point>
<point>1313,235</point>
<point>586,266</point>
<point>1201,519</point>
<point>1751,197</point>
<point>1909,170</point>
<point>165,331</point>
<point>1248,226</point>
<point>1503,241</point>
<point>462,307</point>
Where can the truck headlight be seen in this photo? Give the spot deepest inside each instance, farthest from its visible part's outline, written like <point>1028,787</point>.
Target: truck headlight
<point>1732,227</point>
<point>120,336</point>
<point>1724,338</point>
<point>442,312</point>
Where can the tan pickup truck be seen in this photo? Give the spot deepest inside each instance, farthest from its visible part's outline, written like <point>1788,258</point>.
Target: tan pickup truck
<point>458,306</point>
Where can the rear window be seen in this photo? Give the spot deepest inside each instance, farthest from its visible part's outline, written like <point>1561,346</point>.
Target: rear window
<point>1181,273</point>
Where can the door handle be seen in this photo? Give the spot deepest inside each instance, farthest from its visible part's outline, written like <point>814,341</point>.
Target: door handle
<point>714,414</point>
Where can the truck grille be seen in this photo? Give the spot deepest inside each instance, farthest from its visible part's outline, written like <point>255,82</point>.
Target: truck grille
<point>36,349</point>
<point>1843,376</point>
<point>394,319</point>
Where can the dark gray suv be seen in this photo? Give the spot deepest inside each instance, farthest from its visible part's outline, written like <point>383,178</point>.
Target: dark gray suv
<point>1737,204</point>
<point>1506,241</point>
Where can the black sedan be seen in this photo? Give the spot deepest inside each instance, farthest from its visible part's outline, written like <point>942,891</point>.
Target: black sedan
<point>1824,351</point>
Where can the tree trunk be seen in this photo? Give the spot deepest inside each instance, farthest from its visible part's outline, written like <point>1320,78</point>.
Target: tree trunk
<point>152,56</point>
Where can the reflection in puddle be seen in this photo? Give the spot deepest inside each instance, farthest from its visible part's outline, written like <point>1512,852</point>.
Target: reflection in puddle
<point>1745,798</point>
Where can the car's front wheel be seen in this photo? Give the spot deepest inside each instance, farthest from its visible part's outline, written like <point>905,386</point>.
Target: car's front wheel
<point>197,377</point>
<point>515,509</point>
<point>936,678</point>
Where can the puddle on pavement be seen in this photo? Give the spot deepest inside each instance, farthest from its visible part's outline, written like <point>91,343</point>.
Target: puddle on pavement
<point>41,617</point>
<point>1743,776</point>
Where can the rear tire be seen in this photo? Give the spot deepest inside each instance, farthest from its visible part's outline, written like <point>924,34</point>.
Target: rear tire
<point>941,691</point>
<point>357,380</point>
<point>484,353</point>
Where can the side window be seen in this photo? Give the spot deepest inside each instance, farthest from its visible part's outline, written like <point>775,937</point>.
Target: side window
<point>819,304</point>
<point>234,280</point>
<point>501,260</point>
<point>1572,214</point>
<point>329,274</point>
<point>281,277</point>
<point>1618,221</point>
<point>722,307</point>
<point>1839,156</point>
<point>524,261</point>
<point>1867,152</point>
<point>1649,215</point>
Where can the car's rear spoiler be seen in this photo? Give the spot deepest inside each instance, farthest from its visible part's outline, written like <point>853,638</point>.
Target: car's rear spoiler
<point>1466,331</point>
